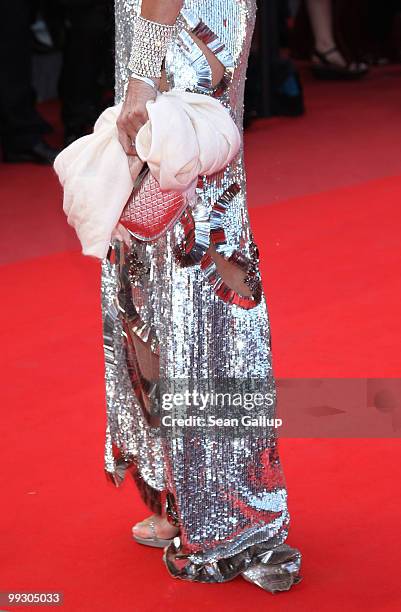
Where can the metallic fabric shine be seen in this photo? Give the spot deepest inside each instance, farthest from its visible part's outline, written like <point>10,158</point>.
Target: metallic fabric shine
<point>227,494</point>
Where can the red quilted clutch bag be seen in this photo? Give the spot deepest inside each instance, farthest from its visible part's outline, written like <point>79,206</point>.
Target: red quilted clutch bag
<point>150,212</point>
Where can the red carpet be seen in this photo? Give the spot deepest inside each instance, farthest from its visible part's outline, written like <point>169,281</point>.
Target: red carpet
<point>331,270</point>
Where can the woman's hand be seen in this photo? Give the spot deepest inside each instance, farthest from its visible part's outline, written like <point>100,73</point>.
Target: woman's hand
<point>133,113</point>
<point>132,117</point>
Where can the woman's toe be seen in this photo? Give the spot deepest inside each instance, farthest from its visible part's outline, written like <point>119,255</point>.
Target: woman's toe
<point>141,530</point>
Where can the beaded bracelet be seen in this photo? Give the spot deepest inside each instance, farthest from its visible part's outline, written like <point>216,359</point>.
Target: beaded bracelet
<point>150,46</point>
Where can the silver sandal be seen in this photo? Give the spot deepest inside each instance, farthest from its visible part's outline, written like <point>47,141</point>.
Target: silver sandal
<point>154,541</point>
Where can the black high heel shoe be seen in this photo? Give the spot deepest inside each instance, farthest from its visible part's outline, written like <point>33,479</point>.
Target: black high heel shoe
<point>329,71</point>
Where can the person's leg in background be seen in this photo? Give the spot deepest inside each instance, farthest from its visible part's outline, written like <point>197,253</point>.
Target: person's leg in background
<point>328,60</point>
<point>21,127</point>
<point>87,27</point>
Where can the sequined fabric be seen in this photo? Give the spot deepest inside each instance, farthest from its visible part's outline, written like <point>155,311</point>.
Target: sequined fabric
<point>226,493</point>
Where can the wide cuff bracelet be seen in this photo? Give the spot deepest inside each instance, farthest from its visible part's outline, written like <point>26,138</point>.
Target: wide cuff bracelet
<point>149,48</point>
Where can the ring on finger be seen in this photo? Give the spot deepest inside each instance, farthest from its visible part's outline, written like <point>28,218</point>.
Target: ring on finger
<point>132,149</point>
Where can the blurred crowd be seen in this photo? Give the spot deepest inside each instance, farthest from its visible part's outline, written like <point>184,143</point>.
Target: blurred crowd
<point>76,38</point>
<point>65,49</point>
<point>341,40</point>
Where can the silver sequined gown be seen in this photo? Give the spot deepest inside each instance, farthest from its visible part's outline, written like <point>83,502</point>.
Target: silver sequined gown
<point>226,493</point>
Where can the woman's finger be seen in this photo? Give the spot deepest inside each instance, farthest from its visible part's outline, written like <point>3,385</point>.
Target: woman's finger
<point>126,137</point>
<point>126,142</point>
<point>135,166</point>
<point>134,114</point>
<point>128,127</point>
<point>134,121</point>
